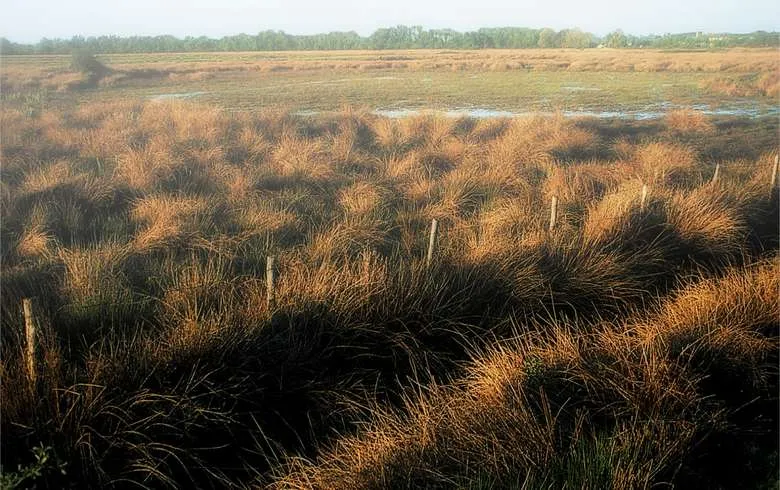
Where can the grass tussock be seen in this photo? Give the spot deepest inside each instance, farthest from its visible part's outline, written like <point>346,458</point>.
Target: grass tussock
<point>683,120</point>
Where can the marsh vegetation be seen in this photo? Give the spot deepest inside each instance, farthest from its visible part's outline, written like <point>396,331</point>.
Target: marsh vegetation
<point>633,344</point>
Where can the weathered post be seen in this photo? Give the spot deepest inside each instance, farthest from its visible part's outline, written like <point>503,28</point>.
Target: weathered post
<point>716,174</point>
<point>773,178</point>
<point>269,280</point>
<point>431,242</point>
<point>643,199</point>
<point>553,212</point>
<point>31,337</point>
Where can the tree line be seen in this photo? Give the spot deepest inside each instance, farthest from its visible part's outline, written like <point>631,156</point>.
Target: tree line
<point>398,37</point>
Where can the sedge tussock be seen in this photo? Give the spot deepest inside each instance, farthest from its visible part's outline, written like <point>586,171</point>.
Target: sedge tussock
<point>93,272</point>
<point>35,242</point>
<point>301,158</point>
<point>344,239</point>
<point>664,163</point>
<point>362,198</point>
<point>688,121</point>
<point>167,219</point>
<point>48,178</point>
<point>704,219</point>
<point>263,216</point>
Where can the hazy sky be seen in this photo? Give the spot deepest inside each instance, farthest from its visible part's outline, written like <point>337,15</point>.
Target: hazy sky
<point>30,20</point>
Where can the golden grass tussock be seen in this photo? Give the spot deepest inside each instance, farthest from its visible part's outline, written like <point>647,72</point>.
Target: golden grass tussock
<point>665,163</point>
<point>346,238</point>
<point>503,226</point>
<point>251,146</point>
<point>168,219</point>
<point>401,168</point>
<point>47,178</point>
<point>519,145</point>
<point>463,192</point>
<point>617,217</point>
<point>362,198</point>
<point>688,121</point>
<point>542,140</point>
<point>301,158</point>
<point>142,169</point>
<point>237,181</point>
<point>263,217</point>
<point>184,121</point>
<point>344,286</point>
<point>704,218</point>
<point>731,321</point>
<point>194,291</point>
<point>34,243</point>
<point>93,273</point>
<point>386,133</point>
<point>343,144</point>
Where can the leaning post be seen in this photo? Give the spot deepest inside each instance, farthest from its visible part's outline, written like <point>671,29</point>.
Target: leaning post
<point>269,280</point>
<point>716,174</point>
<point>431,242</point>
<point>31,338</point>
<point>553,212</point>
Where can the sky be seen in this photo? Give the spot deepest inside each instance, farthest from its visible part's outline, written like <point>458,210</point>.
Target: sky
<point>30,20</point>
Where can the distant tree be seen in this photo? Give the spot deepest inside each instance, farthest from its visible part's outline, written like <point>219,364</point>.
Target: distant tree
<point>397,37</point>
<point>575,38</point>
<point>548,38</point>
<point>616,39</point>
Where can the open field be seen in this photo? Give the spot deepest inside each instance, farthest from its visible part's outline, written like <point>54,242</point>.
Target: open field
<point>632,343</point>
<point>510,80</point>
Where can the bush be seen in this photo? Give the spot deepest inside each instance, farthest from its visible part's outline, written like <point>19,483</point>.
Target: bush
<point>85,62</point>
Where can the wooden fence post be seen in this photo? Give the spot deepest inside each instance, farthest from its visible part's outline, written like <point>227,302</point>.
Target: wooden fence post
<point>553,212</point>
<point>269,280</point>
<point>31,337</point>
<point>716,174</point>
<point>431,242</point>
<point>643,199</point>
<point>773,178</point>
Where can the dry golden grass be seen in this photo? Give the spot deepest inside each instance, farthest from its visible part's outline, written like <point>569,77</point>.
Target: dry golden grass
<point>167,219</point>
<point>687,121</point>
<point>705,217</point>
<point>736,316</point>
<point>51,72</point>
<point>664,163</point>
<point>300,158</point>
<point>35,242</point>
<point>145,230</point>
<point>518,415</point>
<point>91,273</point>
<point>362,198</point>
